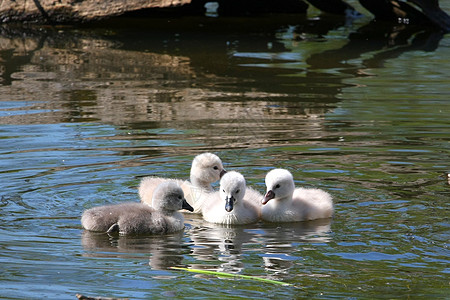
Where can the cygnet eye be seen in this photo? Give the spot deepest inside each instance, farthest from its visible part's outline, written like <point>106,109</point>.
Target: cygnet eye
<point>216,168</point>
<point>179,197</point>
<point>277,186</point>
<point>223,191</point>
<point>237,192</point>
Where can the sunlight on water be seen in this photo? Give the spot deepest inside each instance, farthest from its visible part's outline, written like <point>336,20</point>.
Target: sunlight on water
<point>354,109</point>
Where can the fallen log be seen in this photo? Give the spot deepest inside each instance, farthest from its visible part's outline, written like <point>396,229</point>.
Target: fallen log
<point>74,11</point>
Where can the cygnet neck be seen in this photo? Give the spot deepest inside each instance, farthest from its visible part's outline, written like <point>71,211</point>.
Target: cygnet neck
<point>201,184</point>
<point>285,199</point>
<point>161,208</point>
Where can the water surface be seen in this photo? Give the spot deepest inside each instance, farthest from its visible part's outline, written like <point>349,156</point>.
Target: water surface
<point>355,108</point>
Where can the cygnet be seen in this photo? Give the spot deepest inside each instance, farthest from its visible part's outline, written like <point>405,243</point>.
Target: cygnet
<point>284,203</point>
<point>206,169</point>
<point>231,205</point>
<point>137,218</point>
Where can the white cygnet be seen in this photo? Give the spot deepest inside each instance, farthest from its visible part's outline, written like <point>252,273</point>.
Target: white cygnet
<point>231,205</point>
<point>206,169</point>
<point>138,218</point>
<point>284,203</point>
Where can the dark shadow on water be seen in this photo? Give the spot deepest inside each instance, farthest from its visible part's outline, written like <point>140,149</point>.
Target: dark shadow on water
<point>205,42</point>
<point>387,41</point>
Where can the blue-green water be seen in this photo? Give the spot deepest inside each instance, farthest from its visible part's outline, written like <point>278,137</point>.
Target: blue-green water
<point>358,109</point>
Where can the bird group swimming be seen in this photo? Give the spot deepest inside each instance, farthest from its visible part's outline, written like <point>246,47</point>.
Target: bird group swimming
<point>234,203</point>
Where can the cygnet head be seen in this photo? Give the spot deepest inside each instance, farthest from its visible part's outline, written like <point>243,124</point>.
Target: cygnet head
<point>169,196</point>
<point>232,189</point>
<point>279,183</point>
<point>206,169</point>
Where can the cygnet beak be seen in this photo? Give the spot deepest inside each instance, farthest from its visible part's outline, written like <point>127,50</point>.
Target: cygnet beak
<point>187,206</point>
<point>270,195</point>
<point>222,173</point>
<point>229,203</point>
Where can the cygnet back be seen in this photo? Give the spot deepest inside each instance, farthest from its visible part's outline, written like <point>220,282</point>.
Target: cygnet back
<point>138,218</point>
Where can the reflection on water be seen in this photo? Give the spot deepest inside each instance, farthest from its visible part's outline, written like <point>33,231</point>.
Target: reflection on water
<point>164,251</point>
<point>114,77</point>
<point>214,247</point>
<point>358,109</point>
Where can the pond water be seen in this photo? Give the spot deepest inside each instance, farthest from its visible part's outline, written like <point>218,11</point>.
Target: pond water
<point>358,109</point>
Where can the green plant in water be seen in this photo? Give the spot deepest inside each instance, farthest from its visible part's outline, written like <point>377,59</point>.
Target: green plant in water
<point>238,276</point>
